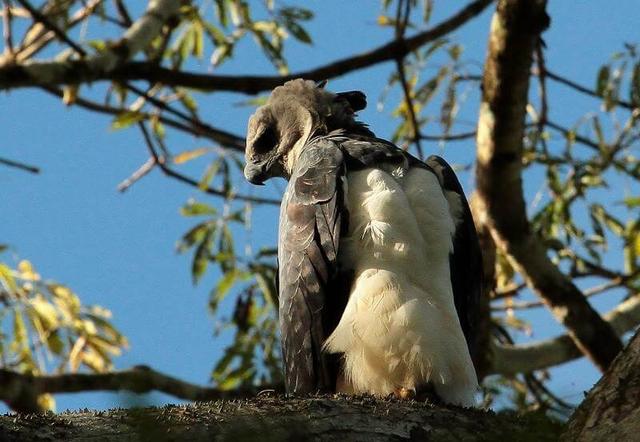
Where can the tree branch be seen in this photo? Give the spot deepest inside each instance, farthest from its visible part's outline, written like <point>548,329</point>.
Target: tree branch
<point>328,419</point>
<point>41,18</point>
<point>111,66</point>
<point>168,171</point>
<point>611,410</point>
<point>578,87</point>
<point>449,137</point>
<point>525,358</point>
<point>18,165</point>
<point>515,30</point>
<point>20,391</point>
<point>7,29</point>
<point>136,38</point>
<point>34,43</point>
<point>198,129</point>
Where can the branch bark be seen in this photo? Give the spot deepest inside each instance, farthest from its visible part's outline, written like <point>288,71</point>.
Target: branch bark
<point>611,410</point>
<point>50,73</point>
<point>136,38</point>
<point>515,30</point>
<point>20,391</point>
<point>526,358</point>
<point>280,419</point>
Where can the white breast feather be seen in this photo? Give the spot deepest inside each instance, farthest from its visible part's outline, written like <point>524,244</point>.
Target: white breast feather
<point>400,328</point>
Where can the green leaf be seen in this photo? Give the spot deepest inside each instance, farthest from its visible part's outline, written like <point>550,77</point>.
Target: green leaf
<point>188,101</point>
<point>221,53</point>
<point>455,51</point>
<point>126,119</point>
<point>157,127</point>
<point>222,287</point>
<point>296,13</point>
<point>6,275</point>
<point>198,36</point>
<point>45,311</point>
<point>597,128</point>
<point>268,288</point>
<point>195,235</point>
<point>427,90</point>
<point>426,10</point>
<point>189,155</point>
<point>632,201</point>
<point>210,173</point>
<point>603,80</point>
<point>298,32</point>
<point>434,47</point>
<point>54,343</point>
<point>634,87</point>
<point>221,12</point>
<point>201,258</point>
<point>215,34</point>
<point>193,208</point>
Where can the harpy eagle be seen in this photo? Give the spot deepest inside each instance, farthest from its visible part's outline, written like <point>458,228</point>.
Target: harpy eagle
<point>379,264</point>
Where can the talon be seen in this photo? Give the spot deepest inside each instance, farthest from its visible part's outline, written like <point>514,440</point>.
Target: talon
<point>405,393</point>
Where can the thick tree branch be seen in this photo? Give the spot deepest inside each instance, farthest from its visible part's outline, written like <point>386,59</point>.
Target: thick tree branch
<point>111,66</point>
<point>20,391</point>
<point>611,411</point>
<point>515,30</point>
<point>525,358</point>
<point>264,419</point>
<point>136,38</point>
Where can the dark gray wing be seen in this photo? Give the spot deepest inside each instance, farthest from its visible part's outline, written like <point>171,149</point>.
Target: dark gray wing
<point>465,261</point>
<point>311,215</point>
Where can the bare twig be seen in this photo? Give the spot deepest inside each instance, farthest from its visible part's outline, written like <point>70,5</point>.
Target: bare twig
<point>7,29</point>
<point>226,139</point>
<point>585,90</point>
<point>592,291</point>
<point>222,137</point>
<point>39,41</point>
<point>409,103</point>
<point>508,292</point>
<point>141,172</point>
<point>161,162</point>
<point>544,107</point>
<point>402,19</point>
<point>449,137</point>
<point>18,165</point>
<point>525,358</point>
<point>122,12</point>
<point>20,391</point>
<point>37,16</point>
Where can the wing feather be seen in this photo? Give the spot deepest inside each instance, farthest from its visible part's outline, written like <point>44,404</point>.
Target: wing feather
<point>466,260</point>
<point>310,221</point>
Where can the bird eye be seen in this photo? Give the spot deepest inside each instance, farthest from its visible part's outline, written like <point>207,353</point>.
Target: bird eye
<point>267,141</point>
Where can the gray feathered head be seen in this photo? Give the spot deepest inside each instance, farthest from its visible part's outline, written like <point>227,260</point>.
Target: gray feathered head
<point>295,112</point>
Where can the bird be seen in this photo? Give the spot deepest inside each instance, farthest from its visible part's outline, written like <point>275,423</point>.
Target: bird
<point>379,267</point>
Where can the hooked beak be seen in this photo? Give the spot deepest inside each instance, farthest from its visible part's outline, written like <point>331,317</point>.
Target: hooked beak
<point>256,173</point>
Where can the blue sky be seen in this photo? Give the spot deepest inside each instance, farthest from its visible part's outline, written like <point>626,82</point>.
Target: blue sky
<point>118,250</point>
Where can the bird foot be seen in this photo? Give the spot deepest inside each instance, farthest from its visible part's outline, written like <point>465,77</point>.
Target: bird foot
<point>404,393</point>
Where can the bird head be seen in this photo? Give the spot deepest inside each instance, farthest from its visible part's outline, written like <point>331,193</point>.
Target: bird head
<point>294,113</point>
